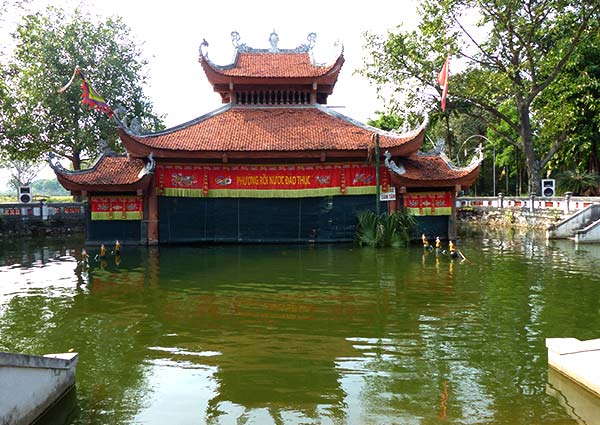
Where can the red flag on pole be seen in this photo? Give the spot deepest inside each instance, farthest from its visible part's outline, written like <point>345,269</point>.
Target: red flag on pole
<point>443,81</point>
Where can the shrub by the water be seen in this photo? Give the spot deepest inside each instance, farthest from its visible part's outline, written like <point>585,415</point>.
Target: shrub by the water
<point>385,229</point>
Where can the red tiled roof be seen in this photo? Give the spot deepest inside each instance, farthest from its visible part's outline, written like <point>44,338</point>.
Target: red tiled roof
<point>109,170</point>
<point>268,129</point>
<point>433,169</point>
<point>274,65</point>
<point>430,168</point>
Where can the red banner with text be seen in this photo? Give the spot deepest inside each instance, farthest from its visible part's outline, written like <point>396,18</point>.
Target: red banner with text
<point>428,203</point>
<point>117,207</point>
<point>268,181</point>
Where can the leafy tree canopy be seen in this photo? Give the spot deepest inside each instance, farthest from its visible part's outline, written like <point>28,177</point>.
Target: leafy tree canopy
<point>49,45</point>
<point>504,52</point>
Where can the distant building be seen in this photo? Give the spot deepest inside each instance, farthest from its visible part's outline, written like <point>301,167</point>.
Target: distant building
<point>274,164</point>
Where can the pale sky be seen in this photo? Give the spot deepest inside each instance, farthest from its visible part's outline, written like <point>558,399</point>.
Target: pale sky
<point>171,33</point>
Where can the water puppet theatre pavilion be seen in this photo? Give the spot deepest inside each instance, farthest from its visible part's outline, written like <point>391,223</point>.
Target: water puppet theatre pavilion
<point>273,164</point>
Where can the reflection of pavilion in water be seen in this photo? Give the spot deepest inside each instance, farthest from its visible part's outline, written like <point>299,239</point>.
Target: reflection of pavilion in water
<point>286,350</point>
<point>280,338</point>
<point>278,356</point>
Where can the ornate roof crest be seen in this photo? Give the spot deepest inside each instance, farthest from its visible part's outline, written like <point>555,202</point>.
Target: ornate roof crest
<point>55,163</point>
<point>273,40</point>
<point>391,165</point>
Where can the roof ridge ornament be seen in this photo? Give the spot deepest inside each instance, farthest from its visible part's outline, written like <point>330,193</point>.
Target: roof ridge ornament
<point>150,165</point>
<point>55,163</point>
<point>235,39</point>
<point>120,116</point>
<point>106,149</point>
<point>312,39</point>
<point>273,40</point>
<point>203,48</point>
<point>438,148</point>
<point>391,165</point>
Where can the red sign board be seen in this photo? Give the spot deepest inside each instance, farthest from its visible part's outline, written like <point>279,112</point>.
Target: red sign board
<point>71,210</point>
<point>116,207</point>
<point>428,203</point>
<point>267,181</point>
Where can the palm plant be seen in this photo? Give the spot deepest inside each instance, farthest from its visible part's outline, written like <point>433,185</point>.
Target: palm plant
<point>578,182</point>
<point>384,230</point>
<point>367,230</point>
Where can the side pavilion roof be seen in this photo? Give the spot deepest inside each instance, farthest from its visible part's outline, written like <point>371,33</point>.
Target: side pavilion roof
<point>109,173</point>
<point>431,170</point>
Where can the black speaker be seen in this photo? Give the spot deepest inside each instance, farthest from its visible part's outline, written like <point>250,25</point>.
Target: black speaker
<point>25,194</point>
<point>548,188</point>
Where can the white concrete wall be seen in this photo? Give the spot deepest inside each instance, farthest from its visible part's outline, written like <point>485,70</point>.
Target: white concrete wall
<point>577,360</point>
<point>591,234</point>
<point>568,227</point>
<point>31,384</point>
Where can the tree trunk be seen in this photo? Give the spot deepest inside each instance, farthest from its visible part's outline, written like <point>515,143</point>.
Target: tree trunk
<point>532,162</point>
<point>76,161</point>
<point>594,161</point>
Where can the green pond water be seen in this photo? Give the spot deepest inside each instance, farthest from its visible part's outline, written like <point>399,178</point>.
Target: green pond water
<point>325,334</point>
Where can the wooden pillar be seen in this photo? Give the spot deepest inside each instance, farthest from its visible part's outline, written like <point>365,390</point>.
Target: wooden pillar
<point>232,96</point>
<point>400,191</point>
<point>452,224</point>
<point>152,218</point>
<point>313,93</point>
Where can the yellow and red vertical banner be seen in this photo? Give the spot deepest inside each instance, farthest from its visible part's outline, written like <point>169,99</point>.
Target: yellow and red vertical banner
<point>117,207</point>
<point>428,203</point>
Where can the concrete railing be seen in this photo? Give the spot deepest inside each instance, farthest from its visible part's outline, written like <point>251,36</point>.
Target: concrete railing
<point>589,234</point>
<point>565,204</point>
<point>568,227</point>
<point>41,210</point>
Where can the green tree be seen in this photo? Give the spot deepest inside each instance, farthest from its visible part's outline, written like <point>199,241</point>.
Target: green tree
<point>386,121</point>
<point>575,100</point>
<point>512,53</point>
<point>48,47</point>
<point>48,187</point>
<point>22,173</point>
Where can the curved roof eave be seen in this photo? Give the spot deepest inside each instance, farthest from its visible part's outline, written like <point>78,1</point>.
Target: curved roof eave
<point>142,183</point>
<point>410,134</point>
<point>69,178</point>
<point>400,144</point>
<point>464,180</point>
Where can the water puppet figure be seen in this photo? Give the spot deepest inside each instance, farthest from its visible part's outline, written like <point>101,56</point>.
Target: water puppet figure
<point>84,256</point>
<point>438,245</point>
<point>117,247</point>
<point>102,251</point>
<point>425,242</point>
<point>452,249</point>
